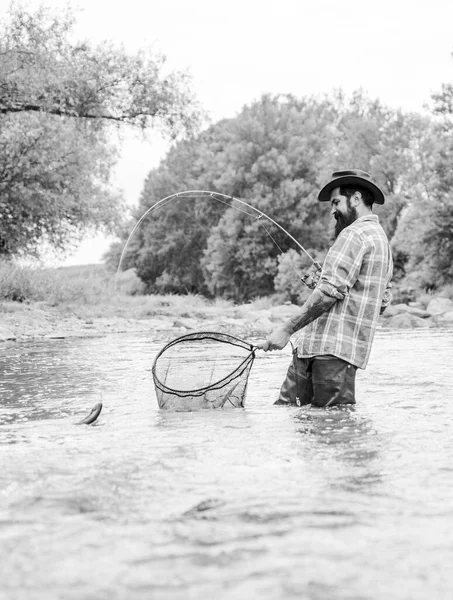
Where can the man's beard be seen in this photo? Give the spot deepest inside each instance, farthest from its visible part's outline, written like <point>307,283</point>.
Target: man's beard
<point>344,220</point>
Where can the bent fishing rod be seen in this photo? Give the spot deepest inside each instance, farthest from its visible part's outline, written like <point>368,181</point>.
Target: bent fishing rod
<point>224,199</point>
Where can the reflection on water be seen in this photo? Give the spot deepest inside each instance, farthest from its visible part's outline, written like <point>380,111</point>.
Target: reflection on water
<point>270,501</point>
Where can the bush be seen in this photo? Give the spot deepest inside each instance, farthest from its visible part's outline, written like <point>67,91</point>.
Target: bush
<point>291,266</point>
<point>446,291</point>
<point>127,282</point>
<point>403,294</point>
<point>19,284</point>
<point>89,284</point>
<point>425,298</point>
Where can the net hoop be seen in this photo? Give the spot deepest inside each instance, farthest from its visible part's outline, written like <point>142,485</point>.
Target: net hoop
<point>206,335</point>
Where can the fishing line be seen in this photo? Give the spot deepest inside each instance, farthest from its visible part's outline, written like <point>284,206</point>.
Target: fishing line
<point>223,199</point>
<point>258,218</point>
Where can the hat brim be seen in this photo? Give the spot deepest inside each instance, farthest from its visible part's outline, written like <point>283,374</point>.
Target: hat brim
<point>324,194</point>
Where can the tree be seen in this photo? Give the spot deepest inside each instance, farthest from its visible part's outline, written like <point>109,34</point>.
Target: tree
<point>275,155</point>
<point>394,146</point>
<point>168,247</point>
<point>42,70</point>
<point>267,156</point>
<point>58,101</point>
<point>53,183</point>
<point>438,241</point>
<point>423,242</point>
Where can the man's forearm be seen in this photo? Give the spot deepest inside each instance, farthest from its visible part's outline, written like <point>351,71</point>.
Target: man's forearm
<point>317,304</point>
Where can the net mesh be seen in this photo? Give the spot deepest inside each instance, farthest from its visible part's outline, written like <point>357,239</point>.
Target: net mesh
<point>203,370</point>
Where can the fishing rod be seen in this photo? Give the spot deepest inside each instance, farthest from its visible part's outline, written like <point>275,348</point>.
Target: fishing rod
<point>225,199</point>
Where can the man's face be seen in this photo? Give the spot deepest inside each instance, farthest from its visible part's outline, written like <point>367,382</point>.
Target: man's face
<point>342,209</point>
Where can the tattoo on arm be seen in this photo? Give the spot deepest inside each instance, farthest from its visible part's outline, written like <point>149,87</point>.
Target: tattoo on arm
<point>317,304</point>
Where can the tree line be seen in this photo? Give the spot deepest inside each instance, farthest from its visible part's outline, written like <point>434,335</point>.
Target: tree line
<point>275,154</point>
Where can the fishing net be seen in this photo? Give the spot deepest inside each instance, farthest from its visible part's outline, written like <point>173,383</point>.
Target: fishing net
<point>203,370</point>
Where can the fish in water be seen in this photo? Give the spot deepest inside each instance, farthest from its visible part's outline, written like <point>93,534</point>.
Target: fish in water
<point>92,416</point>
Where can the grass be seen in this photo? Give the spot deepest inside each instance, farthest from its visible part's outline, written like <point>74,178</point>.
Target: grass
<point>54,286</point>
<point>91,291</point>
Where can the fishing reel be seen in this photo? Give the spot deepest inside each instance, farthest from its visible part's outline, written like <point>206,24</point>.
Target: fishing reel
<point>311,278</point>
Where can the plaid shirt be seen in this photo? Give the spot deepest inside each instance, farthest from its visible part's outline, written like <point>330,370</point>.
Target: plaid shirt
<point>357,271</point>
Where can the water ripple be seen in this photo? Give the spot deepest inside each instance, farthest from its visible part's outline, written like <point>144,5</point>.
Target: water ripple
<point>268,501</point>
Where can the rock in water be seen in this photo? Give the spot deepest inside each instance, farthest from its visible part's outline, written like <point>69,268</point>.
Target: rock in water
<point>439,305</point>
<point>6,334</point>
<point>406,321</point>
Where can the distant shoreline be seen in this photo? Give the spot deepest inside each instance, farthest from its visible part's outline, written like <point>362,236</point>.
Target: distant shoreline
<point>88,300</point>
<point>34,321</point>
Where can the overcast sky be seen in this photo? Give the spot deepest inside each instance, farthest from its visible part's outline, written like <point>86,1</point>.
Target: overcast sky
<point>398,51</point>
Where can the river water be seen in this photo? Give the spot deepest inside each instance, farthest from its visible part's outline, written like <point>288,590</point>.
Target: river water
<point>265,502</point>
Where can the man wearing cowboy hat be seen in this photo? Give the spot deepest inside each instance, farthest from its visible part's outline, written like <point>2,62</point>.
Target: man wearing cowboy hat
<point>339,319</point>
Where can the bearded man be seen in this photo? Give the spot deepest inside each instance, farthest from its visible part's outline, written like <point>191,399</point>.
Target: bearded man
<point>337,323</point>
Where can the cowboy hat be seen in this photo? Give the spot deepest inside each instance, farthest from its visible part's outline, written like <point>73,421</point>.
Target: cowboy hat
<point>351,177</point>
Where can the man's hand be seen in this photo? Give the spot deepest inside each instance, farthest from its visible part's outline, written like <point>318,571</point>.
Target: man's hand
<point>311,278</point>
<point>277,339</point>
<point>317,304</point>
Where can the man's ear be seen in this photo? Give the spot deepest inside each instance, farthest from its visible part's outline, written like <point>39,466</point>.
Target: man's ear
<point>357,197</point>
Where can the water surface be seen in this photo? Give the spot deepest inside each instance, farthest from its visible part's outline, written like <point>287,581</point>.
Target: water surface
<point>266,502</point>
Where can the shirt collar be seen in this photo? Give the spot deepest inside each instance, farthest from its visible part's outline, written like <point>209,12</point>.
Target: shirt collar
<point>367,218</point>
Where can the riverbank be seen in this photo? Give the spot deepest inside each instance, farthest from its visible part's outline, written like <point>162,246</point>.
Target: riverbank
<point>89,300</point>
<point>176,315</point>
